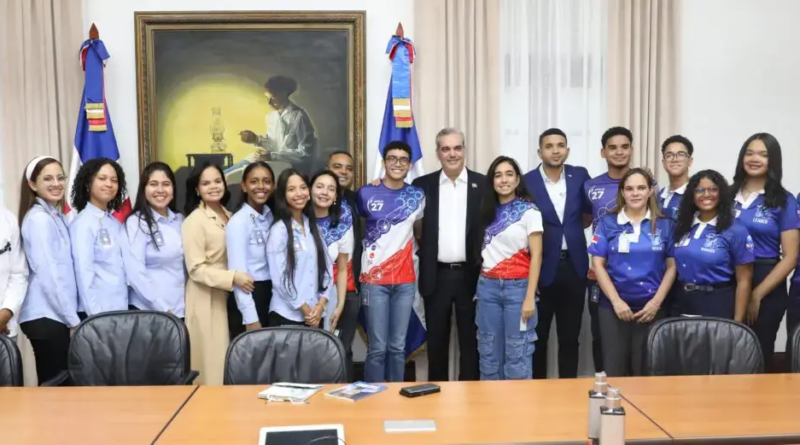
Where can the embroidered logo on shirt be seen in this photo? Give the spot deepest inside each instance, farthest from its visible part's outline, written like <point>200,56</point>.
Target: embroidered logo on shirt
<point>749,245</point>
<point>762,215</point>
<point>711,243</point>
<point>656,240</point>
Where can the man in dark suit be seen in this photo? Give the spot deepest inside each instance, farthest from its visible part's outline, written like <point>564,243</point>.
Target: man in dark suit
<point>566,212</point>
<point>341,163</point>
<point>448,271</point>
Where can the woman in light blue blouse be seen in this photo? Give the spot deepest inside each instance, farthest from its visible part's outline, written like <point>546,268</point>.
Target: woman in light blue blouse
<point>297,257</point>
<point>246,238</point>
<point>96,238</point>
<point>153,253</point>
<point>50,307</point>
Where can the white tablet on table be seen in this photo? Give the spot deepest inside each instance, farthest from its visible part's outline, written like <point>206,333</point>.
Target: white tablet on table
<point>332,434</point>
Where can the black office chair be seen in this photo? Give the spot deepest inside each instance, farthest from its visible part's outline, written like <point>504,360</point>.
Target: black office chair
<point>285,354</point>
<point>794,350</point>
<point>10,363</point>
<point>701,346</point>
<point>128,348</point>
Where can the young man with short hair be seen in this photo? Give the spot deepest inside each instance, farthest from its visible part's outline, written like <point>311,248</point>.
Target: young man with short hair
<point>676,152</point>
<point>393,212</point>
<point>558,189</point>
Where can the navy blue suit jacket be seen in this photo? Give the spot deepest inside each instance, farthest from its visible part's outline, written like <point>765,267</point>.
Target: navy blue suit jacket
<point>572,227</point>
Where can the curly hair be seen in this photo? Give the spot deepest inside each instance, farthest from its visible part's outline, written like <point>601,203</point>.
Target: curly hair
<point>688,208</point>
<point>82,188</point>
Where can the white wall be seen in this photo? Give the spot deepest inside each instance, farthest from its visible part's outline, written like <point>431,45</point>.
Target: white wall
<point>114,20</point>
<point>739,75</point>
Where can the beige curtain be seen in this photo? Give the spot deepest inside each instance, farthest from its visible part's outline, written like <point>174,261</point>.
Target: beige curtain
<point>41,84</point>
<point>642,73</point>
<point>456,76</point>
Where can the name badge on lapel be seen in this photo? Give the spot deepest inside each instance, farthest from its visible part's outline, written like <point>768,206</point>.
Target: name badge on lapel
<point>159,238</point>
<point>624,244</point>
<point>105,238</point>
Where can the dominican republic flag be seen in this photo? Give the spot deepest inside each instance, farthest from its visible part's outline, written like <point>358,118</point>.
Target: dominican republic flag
<point>398,121</point>
<point>94,134</point>
<point>398,125</point>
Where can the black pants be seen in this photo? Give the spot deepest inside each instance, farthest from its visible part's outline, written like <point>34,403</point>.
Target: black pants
<point>262,295</point>
<point>452,287</point>
<point>770,314</point>
<point>50,341</point>
<point>564,299</point>
<point>593,301</point>
<point>792,320</point>
<point>278,320</point>
<point>715,303</point>
<point>623,344</point>
<point>348,322</point>
<point>134,308</point>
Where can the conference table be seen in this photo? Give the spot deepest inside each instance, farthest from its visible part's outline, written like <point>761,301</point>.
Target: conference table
<point>746,409</point>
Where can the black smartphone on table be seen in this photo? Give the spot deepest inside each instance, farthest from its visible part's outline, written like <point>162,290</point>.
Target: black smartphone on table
<point>420,390</point>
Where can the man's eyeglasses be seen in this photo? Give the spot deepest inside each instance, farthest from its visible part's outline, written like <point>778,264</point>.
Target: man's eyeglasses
<point>681,156</point>
<point>392,160</point>
<point>702,190</point>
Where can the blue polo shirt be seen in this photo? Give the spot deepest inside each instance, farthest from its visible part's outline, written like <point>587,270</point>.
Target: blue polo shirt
<point>602,193</point>
<point>706,257</point>
<point>635,256</point>
<point>670,200</point>
<point>766,224</point>
<point>796,276</point>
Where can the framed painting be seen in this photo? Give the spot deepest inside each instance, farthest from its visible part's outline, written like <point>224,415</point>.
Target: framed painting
<point>287,88</point>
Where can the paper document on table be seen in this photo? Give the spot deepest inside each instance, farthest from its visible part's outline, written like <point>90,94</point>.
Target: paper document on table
<point>289,392</point>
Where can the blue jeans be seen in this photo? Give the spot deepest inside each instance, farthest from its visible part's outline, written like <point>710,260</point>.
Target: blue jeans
<point>388,310</point>
<point>506,351</point>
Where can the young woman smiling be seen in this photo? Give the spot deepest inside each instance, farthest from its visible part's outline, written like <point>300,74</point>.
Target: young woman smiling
<point>297,259</point>
<point>511,257</point>
<point>246,236</point>
<point>97,238</point>
<point>632,258</point>
<point>210,279</point>
<point>154,252</point>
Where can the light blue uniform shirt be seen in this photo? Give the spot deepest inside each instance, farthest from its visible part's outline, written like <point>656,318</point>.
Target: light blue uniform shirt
<point>246,236</point>
<point>97,253</point>
<point>287,300</point>
<point>154,264</point>
<point>52,291</point>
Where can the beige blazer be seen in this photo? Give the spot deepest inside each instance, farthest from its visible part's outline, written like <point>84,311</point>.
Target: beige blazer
<point>207,290</point>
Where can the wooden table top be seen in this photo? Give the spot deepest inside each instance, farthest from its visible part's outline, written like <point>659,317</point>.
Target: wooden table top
<point>736,408</point>
<point>465,413</point>
<point>87,415</point>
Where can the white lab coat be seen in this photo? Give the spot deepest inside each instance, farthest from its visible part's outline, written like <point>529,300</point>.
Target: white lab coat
<point>13,268</point>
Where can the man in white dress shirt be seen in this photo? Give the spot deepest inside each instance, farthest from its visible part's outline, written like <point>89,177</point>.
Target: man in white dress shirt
<point>558,190</point>
<point>448,269</point>
<point>13,273</point>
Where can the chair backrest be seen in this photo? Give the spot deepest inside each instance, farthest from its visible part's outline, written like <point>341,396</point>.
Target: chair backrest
<point>129,348</point>
<point>701,346</point>
<point>285,354</point>
<point>10,363</point>
<point>794,350</point>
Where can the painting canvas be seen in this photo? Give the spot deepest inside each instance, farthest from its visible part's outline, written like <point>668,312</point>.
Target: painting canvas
<point>233,87</point>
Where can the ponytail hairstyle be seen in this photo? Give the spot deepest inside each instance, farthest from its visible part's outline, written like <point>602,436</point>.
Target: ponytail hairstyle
<point>652,202</point>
